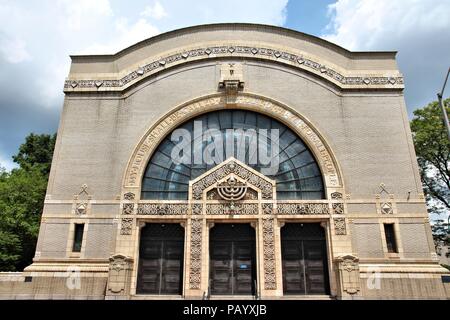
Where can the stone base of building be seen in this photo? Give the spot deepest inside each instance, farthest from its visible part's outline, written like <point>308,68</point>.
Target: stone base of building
<point>91,281</point>
<point>50,281</point>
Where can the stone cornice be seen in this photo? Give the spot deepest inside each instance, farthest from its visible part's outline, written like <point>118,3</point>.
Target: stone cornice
<point>343,79</point>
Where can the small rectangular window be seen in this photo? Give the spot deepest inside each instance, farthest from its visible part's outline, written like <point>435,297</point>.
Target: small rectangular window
<point>390,237</point>
<point>78,237</point>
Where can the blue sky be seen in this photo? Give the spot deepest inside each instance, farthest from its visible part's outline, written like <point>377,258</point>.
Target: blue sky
<point>37,37</point>
<point>308,16</point>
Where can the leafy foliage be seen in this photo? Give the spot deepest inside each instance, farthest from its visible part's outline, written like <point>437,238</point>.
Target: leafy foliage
<point>433,155</point>
<point>37,150</point>
<point>440,229</point>
<point>22,194</point>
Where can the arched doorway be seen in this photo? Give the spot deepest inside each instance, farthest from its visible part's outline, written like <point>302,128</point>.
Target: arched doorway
<point>161,257</point>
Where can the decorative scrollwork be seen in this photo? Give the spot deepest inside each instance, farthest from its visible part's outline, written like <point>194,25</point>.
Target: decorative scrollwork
<point>338,208</point>
<point>128,208</point>
<point>339,226</point>
<point>267,208</point>
<point>197,208</point>
<point>270,282</point>
<point>232,208</point>
<point>303,208</point>
<point>336,196</point>
<point>195,254</point>
<point>126,226</point>
<point>162,209</point>
<point>129,196</point>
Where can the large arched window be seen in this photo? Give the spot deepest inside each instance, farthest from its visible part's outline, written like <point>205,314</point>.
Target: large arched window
<point>251,136</point>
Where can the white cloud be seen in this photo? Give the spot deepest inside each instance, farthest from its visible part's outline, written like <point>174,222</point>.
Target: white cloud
<point>155,11</point>
<point>13,47</point>
<point>418,30</point>
<point>6,163</point>
<point>79,11</point>
<point>126,35</point>
<point>13,50</point>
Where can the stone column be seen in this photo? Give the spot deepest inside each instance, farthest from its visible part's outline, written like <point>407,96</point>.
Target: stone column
<point>268,272</point>
<point>195,259</point>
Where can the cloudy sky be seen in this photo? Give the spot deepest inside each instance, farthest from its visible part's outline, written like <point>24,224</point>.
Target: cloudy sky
<point>37,37</point>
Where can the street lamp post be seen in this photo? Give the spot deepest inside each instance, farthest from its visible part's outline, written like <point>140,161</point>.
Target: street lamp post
<point>444,112</point>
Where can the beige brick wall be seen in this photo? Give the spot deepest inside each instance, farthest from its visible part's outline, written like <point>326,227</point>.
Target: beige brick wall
<point>54,240</point>
<point>100,240</point>
<point>414,240</point>
<point>366,240</point>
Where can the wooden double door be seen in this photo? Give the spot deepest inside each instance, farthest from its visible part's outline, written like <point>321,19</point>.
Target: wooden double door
<point>161,259</point>
<point>232,259</point>
<point>304,259</point>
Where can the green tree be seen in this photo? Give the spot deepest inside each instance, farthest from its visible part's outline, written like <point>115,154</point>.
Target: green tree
<point>433,155</point>
<point>37,150</point>
<point>22,194</point>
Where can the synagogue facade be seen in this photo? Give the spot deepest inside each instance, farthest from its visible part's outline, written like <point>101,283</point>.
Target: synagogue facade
<point>229,161</point>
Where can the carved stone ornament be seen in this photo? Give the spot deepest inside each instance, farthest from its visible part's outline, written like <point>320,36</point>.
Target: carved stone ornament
<point>129,196</point>
<point>233,167</point>
<point>81,200</point>
<point>232,208</point>
<point>126,226</point>
<point>128,208</point>
<point>119,262</point>
<point>349,274</point>
<point>231,80</point>
<point>162,209</point>
<point>285,57</point>
<point>338,208</point>
<point>267,208</point>
<point>270,282</point>
<point>81,208</point>
<point>195,269</point>
<point>339,226</point>
<point>232,189</point>
<point>119,273</point>
<point>386,208</point>
<point>336,196</point>
<point>303,208</point>
<point>197,208</point>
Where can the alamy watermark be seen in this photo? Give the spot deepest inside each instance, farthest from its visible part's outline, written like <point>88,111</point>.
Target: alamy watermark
<point>373,278</point>
<point>212,146</point>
